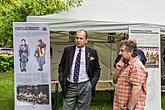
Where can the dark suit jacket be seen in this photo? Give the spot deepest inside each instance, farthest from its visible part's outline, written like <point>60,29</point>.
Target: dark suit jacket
<point>92,67</point>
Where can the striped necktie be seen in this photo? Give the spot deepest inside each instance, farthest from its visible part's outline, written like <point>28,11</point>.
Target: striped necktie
<point>77,67</point>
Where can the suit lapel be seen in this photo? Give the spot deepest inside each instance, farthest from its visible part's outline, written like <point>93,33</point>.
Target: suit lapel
<point>71,56</point>
<point>87,58</point>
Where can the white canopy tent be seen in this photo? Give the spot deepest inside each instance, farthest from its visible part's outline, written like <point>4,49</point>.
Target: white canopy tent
<point>107,16</point>
<point>104,20</point>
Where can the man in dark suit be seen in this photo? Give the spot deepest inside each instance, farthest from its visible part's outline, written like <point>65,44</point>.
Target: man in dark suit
<point>78,80</point>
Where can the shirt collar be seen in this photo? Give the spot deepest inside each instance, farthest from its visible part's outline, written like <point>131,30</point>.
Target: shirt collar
<point>82,49</point>
<point>132,61</point>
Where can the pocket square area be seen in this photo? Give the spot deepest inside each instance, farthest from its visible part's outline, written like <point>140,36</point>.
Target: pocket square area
<point>92,58</point>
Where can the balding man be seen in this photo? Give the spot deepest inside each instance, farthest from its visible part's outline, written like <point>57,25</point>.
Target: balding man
<point>79,72</point>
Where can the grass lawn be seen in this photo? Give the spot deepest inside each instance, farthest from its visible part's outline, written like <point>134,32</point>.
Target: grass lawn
<point>7,91</point>
<point>102,101</point>
<point>163,100</point>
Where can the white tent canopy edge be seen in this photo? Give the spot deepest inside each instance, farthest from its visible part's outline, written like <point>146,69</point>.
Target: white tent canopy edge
<point>62,24</point>
<point>107,16</point>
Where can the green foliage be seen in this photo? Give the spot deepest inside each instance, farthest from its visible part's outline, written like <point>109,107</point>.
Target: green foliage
<point>17,10</point>
<point>6,63</point>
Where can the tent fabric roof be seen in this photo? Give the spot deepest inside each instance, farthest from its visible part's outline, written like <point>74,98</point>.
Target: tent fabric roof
<point>107,16</point>
<point>57,24</point>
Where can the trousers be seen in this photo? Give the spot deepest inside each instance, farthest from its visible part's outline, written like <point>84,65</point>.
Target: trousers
<point>78,96</point>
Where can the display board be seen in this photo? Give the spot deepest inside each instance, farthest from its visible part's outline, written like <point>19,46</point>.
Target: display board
<point>32,66</point>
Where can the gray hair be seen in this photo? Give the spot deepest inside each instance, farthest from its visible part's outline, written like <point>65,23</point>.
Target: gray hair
<point>130,46</point>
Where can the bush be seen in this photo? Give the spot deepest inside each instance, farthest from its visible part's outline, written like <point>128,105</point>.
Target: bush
<point>6,62</point>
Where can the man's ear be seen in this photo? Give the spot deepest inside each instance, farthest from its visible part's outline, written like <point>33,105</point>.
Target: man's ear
<point>86,41</point>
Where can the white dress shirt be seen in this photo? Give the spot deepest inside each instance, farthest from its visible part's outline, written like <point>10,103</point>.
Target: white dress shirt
<point>82,74</point>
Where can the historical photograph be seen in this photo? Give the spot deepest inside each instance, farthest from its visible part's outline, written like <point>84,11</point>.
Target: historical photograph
<point>32,94</point>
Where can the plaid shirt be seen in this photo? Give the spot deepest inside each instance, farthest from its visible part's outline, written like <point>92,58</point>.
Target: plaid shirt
<point>134,74</point>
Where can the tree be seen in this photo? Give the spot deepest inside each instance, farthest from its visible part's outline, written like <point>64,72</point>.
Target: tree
<point>17,10</point>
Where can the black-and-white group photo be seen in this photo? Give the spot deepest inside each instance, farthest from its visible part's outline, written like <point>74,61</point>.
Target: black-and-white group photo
<point>32,94</point>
